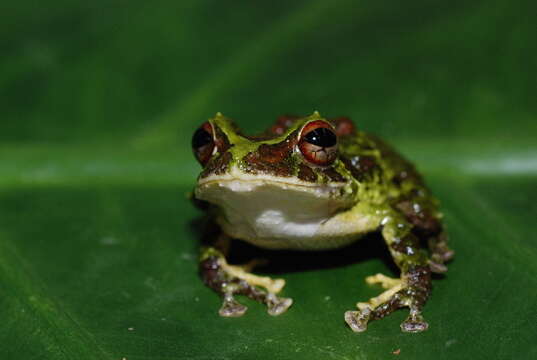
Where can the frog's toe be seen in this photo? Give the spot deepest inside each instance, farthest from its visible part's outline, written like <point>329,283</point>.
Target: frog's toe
<point>242,272</point>
<point>437,267</point>
<point>385,281</point>
<point>414,323</point>
<point>441,252</point>
<point>277,305</point>
<point>231,307</point>
<point>357,320</point>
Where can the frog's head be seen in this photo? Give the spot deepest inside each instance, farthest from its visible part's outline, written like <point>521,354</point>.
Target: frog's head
<point>294,171</point>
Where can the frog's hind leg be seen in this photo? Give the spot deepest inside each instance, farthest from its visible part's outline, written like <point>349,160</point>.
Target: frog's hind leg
<point>425,219</point>
<point>411,290</point>
<point>230,280</point>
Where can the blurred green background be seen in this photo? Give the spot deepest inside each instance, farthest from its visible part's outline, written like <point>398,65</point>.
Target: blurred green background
<point>99,101</point>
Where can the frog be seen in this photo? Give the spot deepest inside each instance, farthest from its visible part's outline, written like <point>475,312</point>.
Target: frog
<point>311,183</point>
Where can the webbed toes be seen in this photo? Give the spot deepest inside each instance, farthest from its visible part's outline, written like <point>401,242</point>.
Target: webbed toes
<point>414,323</point>
<point>277,305</point>
<point>357,320</point>
<point>231,307</point>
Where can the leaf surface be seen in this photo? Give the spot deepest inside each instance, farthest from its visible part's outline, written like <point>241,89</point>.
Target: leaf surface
<point>98,241</point>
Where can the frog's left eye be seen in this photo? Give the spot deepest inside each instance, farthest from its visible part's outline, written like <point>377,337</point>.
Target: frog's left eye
<point>318,143</point>
<point>203,143</point>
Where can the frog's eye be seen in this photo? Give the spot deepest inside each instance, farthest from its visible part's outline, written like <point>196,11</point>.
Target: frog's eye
<point>203,143</point>
<point>318,143</point>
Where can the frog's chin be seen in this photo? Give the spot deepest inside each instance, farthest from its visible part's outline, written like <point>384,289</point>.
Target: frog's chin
<point>268,208</point>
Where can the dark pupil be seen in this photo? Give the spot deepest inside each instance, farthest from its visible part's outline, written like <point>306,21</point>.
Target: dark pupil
<point>322,137</point>
<point>201,138</point>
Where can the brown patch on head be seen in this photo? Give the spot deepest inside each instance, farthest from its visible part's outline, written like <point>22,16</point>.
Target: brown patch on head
<point>343,125</point>
<point>218,165</point>
<point>221,140</point>
<point>273,153</point>
<point>274,159</point>
<point>305,173</point>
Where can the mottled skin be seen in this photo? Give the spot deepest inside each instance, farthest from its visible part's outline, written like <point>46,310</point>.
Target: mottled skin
<point>379,186</point>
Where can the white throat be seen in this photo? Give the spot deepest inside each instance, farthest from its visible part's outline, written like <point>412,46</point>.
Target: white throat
<point>268,212</point>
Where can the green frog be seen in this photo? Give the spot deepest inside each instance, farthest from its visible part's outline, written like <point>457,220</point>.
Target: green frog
<point>312,183</point>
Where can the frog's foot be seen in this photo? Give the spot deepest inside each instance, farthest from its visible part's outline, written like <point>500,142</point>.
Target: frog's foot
<point>230,280</point>
<point>410,291</point>
<point>358,320</point>
<point>231,307</point>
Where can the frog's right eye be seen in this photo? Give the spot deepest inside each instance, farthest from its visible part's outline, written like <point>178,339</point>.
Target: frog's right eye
<point>203,143</point>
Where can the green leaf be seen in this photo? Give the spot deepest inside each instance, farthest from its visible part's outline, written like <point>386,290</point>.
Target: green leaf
<point>98,241</point>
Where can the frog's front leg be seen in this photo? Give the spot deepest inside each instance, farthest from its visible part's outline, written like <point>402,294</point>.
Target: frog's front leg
<point>230,280</point>
<point>411,290</point>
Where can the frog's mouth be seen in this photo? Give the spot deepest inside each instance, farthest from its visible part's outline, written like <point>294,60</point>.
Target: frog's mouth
<point>214,189</point>
<point>257,207</point>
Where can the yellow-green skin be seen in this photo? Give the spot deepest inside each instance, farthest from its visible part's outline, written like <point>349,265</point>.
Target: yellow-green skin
<point>369,187</point>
